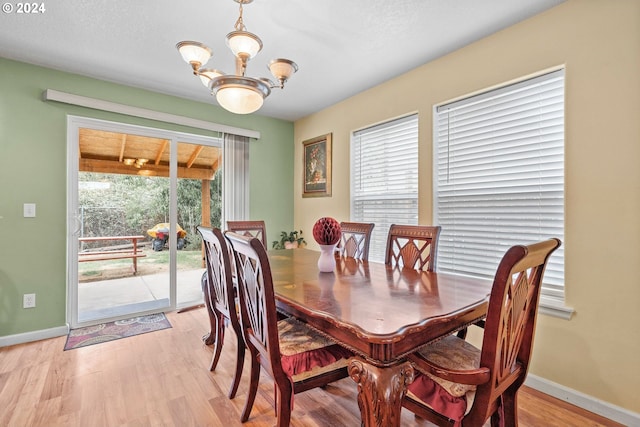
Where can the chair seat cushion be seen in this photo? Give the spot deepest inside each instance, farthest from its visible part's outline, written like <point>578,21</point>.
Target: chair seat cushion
<point>454,353</point>
<point>450,399</point>
<point>436,398</point>
<point>307,352</point>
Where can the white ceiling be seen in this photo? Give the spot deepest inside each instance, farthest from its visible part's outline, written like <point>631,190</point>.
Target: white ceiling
<point>341,46</point>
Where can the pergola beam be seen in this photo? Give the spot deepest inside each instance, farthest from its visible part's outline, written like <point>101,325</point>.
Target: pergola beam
<point>109,166</point>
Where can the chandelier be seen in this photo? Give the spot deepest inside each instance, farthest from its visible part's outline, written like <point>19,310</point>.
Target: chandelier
<point>236,92</point>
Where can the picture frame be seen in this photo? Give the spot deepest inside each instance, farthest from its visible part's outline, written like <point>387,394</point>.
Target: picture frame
<point>316,172</point>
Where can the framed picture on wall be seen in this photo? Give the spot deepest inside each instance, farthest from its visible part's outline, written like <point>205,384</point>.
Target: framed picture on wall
<point>316,180</point>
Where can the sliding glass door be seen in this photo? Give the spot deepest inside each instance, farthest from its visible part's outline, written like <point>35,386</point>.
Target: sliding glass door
<point>135,196</point>
<point>199,193</point>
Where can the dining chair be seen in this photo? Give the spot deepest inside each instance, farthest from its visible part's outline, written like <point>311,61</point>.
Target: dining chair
<point>355,239</point>
<point>250,228</point>
<point>413,246</point>
<point>295,356</point>
<point>220,299</point>
<point>407,246</point>
<point>458,384</point>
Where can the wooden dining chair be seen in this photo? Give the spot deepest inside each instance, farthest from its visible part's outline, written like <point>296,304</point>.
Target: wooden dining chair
<point>295,356</point>
<point>459,385</point>
<point>413,246</point>
<point>220,300</point>
<point>250,228</point>
<point>355,239</point>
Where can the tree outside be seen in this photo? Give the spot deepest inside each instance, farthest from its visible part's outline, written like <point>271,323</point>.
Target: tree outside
<point>120,205</point>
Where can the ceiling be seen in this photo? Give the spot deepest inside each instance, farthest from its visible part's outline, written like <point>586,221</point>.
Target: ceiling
<point>120,153</point>
<point>342,47</point>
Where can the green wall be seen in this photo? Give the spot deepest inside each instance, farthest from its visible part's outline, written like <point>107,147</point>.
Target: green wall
<point>33,169</point>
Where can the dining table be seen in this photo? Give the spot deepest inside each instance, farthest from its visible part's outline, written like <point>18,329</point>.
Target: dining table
<point>379,312</point>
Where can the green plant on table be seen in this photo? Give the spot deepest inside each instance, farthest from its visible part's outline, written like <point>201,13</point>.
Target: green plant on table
<point>289,240</point>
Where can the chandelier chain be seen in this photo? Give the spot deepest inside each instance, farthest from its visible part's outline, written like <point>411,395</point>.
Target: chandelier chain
<point>239,25</point>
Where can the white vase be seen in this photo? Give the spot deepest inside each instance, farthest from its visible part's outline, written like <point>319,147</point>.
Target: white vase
<point>327,260</point>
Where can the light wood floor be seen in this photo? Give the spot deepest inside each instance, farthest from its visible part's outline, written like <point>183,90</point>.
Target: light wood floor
<point>162,379</point>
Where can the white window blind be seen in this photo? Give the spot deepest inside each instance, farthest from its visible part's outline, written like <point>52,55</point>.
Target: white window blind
<point>499,177</point>
<point>384,178</point>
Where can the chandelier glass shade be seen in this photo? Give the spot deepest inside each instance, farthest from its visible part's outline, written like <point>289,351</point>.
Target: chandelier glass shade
<point>236,92</point>
<point>194,53</point>
<point>243,43</point>
<point>208,74</point>
<point>240,95</point>
<point>282,69</point>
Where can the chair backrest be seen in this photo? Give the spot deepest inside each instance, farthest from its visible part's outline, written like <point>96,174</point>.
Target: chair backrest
<point>219,292</point>
<point>510,324</point>
<point>249,228</point>
<point>413,246</point>
<point>355,239</point>
<point>258,318</point>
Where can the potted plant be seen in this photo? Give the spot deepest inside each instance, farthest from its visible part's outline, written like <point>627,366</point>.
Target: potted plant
<point>290,240</point>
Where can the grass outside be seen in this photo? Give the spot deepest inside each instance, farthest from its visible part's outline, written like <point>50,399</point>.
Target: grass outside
<point>152,263</point>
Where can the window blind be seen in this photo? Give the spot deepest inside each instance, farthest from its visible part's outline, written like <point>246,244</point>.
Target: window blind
<point>499,177</point>
<point>384,178</point>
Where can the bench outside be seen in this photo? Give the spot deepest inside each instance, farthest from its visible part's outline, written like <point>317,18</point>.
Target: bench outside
<point>132,253</point>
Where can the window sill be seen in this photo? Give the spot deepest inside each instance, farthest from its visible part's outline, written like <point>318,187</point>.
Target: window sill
<point>555,307</point>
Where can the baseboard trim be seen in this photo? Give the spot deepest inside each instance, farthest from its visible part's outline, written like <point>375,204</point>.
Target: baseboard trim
<point>584,401</point>
<point>42,334</point>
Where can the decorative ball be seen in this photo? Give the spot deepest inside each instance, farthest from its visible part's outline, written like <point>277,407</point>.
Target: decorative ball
<point>327,231</point>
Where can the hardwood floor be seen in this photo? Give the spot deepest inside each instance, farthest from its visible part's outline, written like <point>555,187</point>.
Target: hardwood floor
<point>162,379</point>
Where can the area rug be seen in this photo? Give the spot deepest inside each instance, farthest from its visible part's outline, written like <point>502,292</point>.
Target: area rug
<point>111,331</point>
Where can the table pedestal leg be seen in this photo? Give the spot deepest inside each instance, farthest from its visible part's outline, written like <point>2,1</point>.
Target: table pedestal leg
<point>380,391</point>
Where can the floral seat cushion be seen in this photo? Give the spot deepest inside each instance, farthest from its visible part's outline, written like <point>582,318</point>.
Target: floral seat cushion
<point>306,352</point>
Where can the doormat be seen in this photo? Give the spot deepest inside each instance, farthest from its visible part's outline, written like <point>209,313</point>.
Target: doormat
<point>111,331</point>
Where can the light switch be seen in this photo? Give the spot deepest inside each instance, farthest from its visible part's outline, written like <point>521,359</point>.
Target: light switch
<point>29,210</point>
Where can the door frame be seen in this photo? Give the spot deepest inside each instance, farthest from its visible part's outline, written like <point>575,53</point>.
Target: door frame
<point>74,123</point>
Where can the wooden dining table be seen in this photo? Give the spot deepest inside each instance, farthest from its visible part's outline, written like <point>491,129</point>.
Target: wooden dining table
<point>379,312</point>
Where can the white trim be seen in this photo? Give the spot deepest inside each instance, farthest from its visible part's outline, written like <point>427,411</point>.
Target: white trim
<point>584,401</point>
<point>554,307</point>
<point>99,104</point>
<point>42,334</point>
<point>73,221</point>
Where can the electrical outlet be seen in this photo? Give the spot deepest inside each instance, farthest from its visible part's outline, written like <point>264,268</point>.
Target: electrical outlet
<point>28,300</point>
